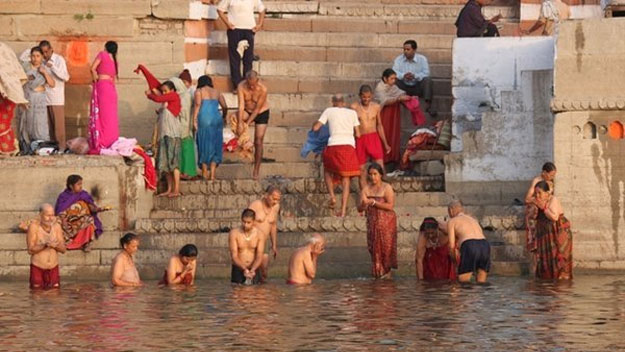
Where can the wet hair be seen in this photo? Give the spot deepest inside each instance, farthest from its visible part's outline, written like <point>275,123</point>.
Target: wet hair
<point>412,43</point>
<point>251,74</point>
<point>127,238</point>
<point>72,180</point>
<point>204,81</point>
<point>111,48</point>
<point>388,73</point>
<point>188,250</point>
<point>428,223</point>
<point>376,167</point>
<point>272,189</point>
<point>248,214</point>
<point>365,88</point>
<point>170,85</point>
<point>44,44</point>
<point>549,166</point>
<point>543,186</point>
<point>36,49</point>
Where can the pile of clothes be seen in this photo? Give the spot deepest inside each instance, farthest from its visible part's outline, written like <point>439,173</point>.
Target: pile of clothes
<point>436,137</point>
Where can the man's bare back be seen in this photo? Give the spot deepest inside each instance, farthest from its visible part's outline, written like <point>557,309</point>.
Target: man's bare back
<point>367,115</point>
<point>303,262</point>
<point>464,227</point>
<point>253,96</point>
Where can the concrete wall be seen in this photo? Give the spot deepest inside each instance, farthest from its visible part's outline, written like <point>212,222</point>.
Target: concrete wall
<point>588,137</point>
<point>167,36</point>
<point>501,119</point>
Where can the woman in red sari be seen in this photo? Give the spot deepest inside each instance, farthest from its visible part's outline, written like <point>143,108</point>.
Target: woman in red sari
<point>377,199</point>
<point>78,215</point>
<point>432,259</point>
<point>554,240</point>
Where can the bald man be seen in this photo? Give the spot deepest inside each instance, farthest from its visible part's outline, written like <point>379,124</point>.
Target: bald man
<point>303,262</point>
<point>466,233</point>
<point>44,241</point>
<point>253,107</point>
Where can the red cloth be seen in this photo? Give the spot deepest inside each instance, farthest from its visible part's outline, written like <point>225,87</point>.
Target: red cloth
<point>390,116</point>
<point>382,239</point>
<point>7,137</point>
<point>173,103</point>
<point>420,141</point>
<point>186,280</point>
<point>153,83</point>
<point>44,278</point>
<point>437,265</point>
<point>83,237</point>
<point>149,173</point>
<point>413,105</point>
<point>554,242</point>
<point>370,145</point>
<point>341,160</point>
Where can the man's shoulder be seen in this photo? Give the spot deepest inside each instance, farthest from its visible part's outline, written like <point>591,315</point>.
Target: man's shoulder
<point>399,57</point>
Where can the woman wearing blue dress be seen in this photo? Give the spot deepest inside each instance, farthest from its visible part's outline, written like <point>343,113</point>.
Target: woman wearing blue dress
<point>209,124</point>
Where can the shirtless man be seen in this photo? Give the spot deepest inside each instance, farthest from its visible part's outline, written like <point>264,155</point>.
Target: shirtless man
<point>466,233</point>
<point>246,250</point>
<point>372,137</point>
<point>548,175</point>
<point>253,107</point>
<point>267,210</point>
<point>303,262</point>
<point>44,241</point>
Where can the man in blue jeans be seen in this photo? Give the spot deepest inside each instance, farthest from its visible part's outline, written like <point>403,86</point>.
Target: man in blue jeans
<point>241,26</point>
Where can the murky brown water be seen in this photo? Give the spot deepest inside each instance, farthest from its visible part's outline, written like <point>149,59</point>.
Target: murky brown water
<point>511,314</point>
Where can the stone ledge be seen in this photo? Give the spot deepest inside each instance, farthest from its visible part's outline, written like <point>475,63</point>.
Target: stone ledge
<point>612,103</point>
<point>292,6</point>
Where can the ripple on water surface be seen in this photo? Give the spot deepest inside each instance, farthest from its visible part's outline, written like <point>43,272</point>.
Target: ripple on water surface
<point>509,314</point>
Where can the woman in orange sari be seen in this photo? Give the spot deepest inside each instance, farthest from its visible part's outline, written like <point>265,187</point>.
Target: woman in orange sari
<point>554,240</point>
<point>78,215</point>
<point>377,200</point>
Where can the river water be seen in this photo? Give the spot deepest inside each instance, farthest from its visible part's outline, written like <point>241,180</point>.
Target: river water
<point>509,314</point>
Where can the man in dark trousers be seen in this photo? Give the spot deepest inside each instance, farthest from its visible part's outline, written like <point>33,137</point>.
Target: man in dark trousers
<point>471,22</point>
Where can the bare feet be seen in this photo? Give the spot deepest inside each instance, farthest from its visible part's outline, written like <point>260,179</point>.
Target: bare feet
<point>332,203</point>
<point>87,248</point>
<point>174,195</point>
<point>164,194</point>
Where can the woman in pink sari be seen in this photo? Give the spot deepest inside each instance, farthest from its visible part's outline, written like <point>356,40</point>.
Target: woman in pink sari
<point>103,117</point>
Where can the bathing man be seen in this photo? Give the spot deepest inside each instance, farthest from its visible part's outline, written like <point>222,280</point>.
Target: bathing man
<point>267,211</point>
<point>246,250</point>
<point>44,241</point>
<point>303,262</point>
<point>466,233</point>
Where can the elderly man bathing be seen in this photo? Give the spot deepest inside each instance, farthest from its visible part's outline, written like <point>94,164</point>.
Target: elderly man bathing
<point>303,262</point>
<point>267,211</point>
<point>44,241</point>
<point>466,233</point>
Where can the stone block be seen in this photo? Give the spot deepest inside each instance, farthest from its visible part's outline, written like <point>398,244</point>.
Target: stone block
<point>78,257</point>
<point>170,9</point>
<point>36,27</point>
<point>137,8</point>
<point>7,258</point>
<point>7,27</point>
<point>426,27</point>
<point>21,7</point>
<point>292,6</point>
<point>15,272</point>
<point>341,24</point>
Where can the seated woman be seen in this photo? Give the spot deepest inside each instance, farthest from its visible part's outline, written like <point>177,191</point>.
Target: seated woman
<point>432,259</point>
<point>78,214</point>
<point>123,271</point>
<point>181,268</point>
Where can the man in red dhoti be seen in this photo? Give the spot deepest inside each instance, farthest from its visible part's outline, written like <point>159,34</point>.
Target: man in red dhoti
<point>339,158</point>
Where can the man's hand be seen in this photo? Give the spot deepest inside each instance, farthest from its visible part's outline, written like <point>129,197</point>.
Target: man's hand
<point>274,252</point>
<point>256,29</point>
<point>409,76</point>
<point>195,124</point>
<point>495,19</point>
<point>49,63</point>
<point>387,149</point>
<point>230,26</point>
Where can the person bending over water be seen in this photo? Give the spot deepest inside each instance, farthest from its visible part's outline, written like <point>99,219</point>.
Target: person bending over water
<point>466,233</point>
<point>44,242</point>
<point>124,272</point>
<point>246,250</point>
<point>432,259</point>
<point>181,268</point>
<point>303,262</point>
<point>267,210</point>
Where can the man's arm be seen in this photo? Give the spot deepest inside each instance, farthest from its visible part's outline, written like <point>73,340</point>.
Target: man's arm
<point>241,103</point>
<point>258,258</point>
<point>31,241</point>
<point>273,233</point>
<point>259,105</point>
<point>310,265</point>
<point>424,69</point>
<point>398,68</point>
<point>380,128</point>
<point>234,251</point>
<point>317,126</point>
<point>60,241</point>
<point>451,231</point>
<point>59,69</point>
<point>421,243</point>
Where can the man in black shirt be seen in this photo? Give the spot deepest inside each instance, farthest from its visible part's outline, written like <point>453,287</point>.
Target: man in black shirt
<point>471,22</point>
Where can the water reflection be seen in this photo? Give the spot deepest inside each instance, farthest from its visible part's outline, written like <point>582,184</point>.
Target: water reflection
<point>511,314</point>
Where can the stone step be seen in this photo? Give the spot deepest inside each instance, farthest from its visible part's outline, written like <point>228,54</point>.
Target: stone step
<point>318,102</point>
<point>307,118</point>
<point>9,221</point>
<point>341,24</point>
<point>241,171</point>
<point>276,152</point>
<point>344,40</point>
<point>17,241</point>
<point>323,85</point>
<point>320,69</point>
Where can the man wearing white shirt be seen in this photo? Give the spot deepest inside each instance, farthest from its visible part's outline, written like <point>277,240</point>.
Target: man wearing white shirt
<point>340,161</point>
<point>413,74</point>
<point>241,26</point>
<point>55,96</point>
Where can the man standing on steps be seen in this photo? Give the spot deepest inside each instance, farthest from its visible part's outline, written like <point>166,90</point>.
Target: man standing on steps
<point>372,141</point>
<point>471,22</point>
<point>340,162</point>
<point>241,27</point>
<point>413,74</point>
<point>267,211</point>
<point>55,97</point>
<point>253,107</point>
<point>466,233</point>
